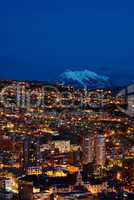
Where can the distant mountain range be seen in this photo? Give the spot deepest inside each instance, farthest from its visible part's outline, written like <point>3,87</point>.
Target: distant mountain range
<point>84,78</point>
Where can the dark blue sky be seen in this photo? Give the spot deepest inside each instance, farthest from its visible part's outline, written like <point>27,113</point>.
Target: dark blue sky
<point>40,39</point>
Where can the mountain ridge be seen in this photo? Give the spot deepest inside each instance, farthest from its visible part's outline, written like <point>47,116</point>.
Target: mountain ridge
<point>84,78</point>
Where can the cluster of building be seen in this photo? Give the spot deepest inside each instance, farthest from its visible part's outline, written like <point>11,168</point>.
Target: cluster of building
<point>81,152</point>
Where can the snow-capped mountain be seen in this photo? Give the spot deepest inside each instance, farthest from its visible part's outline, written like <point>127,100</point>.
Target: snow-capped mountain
<point>84,78</point>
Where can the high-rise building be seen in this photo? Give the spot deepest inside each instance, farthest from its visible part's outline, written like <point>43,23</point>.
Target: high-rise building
<point>88,149</point>
<point>32,154</point>
<point>100,150</point>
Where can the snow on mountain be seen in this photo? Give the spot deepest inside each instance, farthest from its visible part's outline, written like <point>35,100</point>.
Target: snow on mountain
<point>84,78</point>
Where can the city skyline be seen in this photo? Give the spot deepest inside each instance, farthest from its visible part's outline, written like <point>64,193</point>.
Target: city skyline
<point>66,100</point>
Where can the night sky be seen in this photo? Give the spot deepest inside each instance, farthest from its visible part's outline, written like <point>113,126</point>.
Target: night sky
<point>39,39</point>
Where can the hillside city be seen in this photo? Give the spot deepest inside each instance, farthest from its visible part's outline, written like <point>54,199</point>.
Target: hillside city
<point>59,142</point>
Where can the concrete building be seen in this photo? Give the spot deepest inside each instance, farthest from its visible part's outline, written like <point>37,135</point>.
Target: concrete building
<point>100,150</point>
<point>88,149</point>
